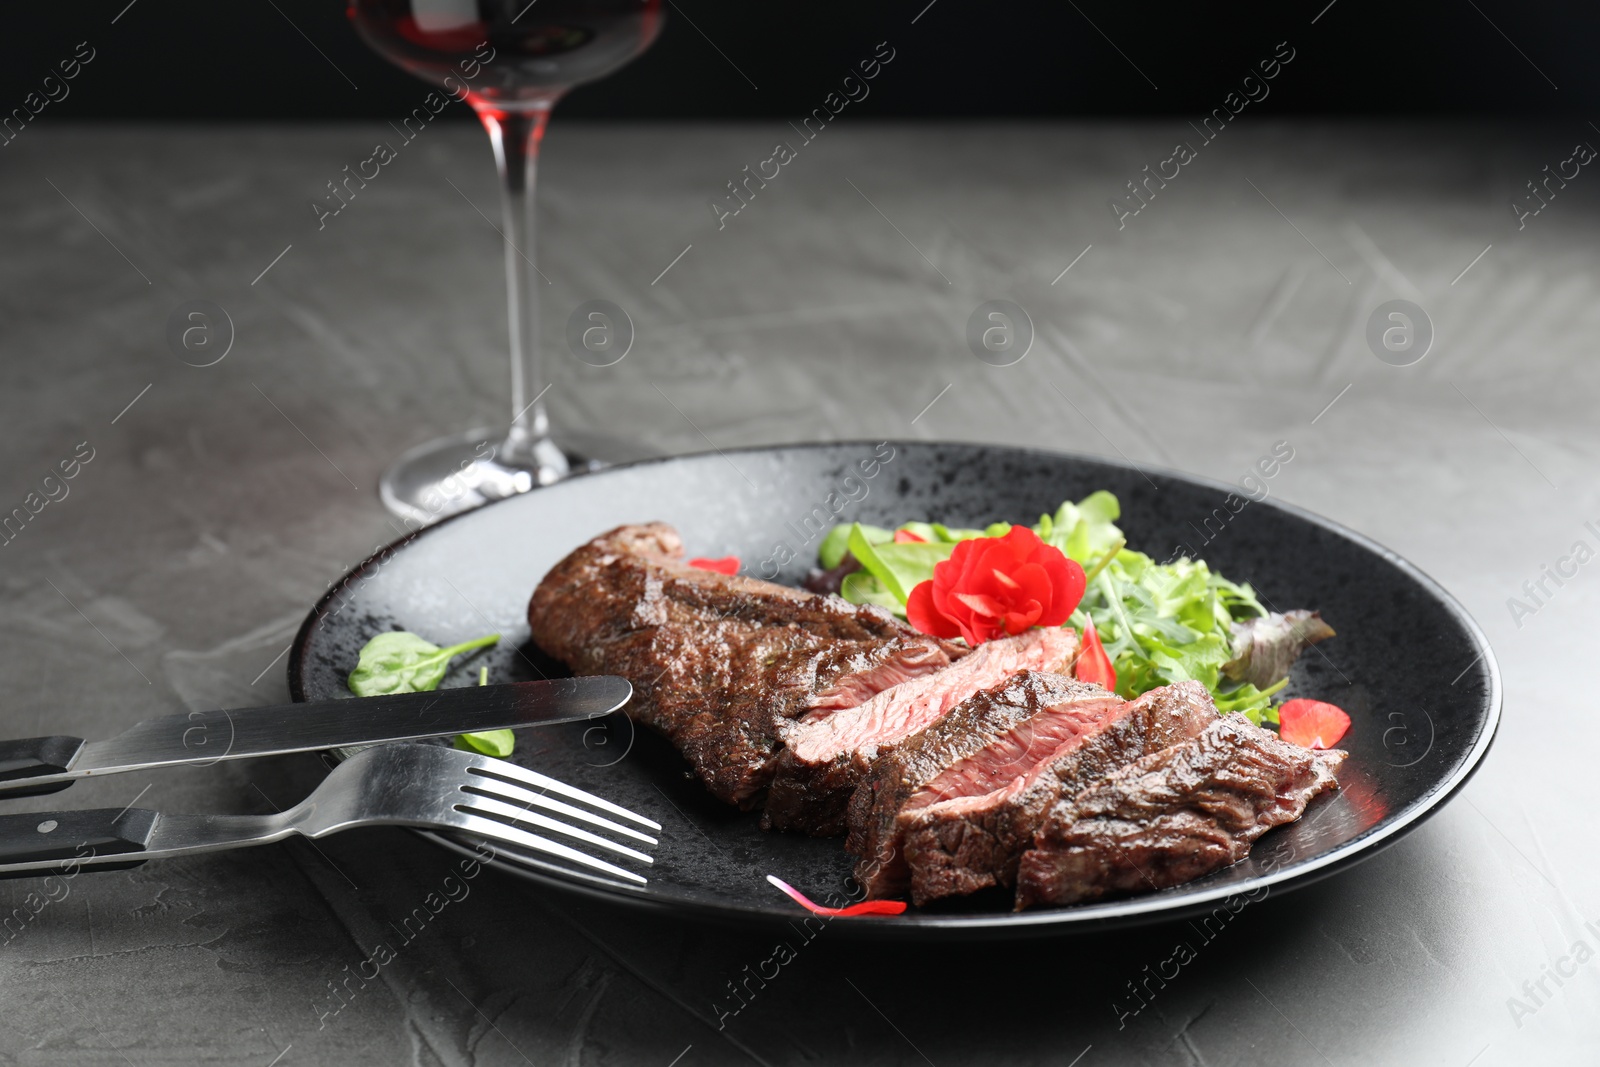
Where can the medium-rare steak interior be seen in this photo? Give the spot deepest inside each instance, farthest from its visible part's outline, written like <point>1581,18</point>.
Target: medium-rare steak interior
<point>823,761</point>
<point>971,840</point>
<point>986,740</point>
<point>719,662</point>
<point>1173,816</point>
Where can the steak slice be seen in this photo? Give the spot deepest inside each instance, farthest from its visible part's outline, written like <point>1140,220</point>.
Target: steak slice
<point>973,840</point>
<point>1174,815</point>
<point>823,761</point>
<point>986,740</point>
<point>719,662</point>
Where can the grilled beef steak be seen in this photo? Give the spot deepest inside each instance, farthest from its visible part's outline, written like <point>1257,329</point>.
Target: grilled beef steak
<point>1172,816</point>
<point>823,761</point>
<point>718,662</point>
<point>970,840</point>
<point>988,739</point>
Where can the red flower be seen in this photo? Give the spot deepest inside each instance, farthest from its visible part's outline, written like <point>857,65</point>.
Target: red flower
<point>1312,723</point>
<point>1093,664</point>
<point>994,586</point>
<point>725,565</point>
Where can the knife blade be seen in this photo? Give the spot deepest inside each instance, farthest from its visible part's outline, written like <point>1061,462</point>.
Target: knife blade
<point>38,765</point>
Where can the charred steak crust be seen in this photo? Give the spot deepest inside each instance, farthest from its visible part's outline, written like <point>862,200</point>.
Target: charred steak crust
<point>1174,815</point>
<point>979,723</point>
<point>718,662</point>
<point>965,844</point>
<point>822,763</point>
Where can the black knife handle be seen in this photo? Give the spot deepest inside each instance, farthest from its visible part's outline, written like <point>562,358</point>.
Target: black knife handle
<point>81,837</point>
<point>33,757</point>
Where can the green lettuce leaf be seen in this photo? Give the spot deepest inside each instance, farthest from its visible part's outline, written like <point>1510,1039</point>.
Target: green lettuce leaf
<point>836,542</point>
<point>860,587</point>
<point>1084,531</point>
<point>898,567</point>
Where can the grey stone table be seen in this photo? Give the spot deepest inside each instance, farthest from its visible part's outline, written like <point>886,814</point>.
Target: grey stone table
<point>212,505</point>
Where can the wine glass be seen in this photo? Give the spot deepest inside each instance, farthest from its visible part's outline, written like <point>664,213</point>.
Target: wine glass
<point>511,60</point>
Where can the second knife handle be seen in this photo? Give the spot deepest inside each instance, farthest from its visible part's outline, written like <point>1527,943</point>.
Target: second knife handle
<point>34,757</point>
<point>74,838</point>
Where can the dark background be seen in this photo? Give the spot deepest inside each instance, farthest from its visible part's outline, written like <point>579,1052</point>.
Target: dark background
<point>259,59</point>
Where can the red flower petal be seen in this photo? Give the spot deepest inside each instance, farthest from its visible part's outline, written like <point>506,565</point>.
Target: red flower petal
<point>997,585</point>
<point>1067,585</point>
<point>1015,622</point>
<point>866,907</point>
<point>1023,544</point>
<point>984,607</point>
<point>964,561</point>
<point>725,565</point>
<point>906,537</point>
<point>925,616</point>
<point>1093,664</point>
<point>1312,723</point>
<point>1032,582</point>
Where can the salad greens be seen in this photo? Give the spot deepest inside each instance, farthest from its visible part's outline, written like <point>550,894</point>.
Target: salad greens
<point>401,662</point>
<point>1160,622</point>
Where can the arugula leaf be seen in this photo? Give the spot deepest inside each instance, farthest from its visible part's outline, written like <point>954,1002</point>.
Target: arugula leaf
<point>497,743</point>
<point>400,662</point>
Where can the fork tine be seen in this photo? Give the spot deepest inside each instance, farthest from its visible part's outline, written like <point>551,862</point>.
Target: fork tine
<point>489,767</point>
<point>476,804</point>
<point>502,790</point>
<point>511,835</point>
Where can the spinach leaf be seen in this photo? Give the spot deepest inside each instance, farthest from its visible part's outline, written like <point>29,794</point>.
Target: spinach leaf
<point>497,743</point>
<point>400,662</point>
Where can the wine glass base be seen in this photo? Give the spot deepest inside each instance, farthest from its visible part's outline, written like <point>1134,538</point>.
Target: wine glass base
<point>453,474</point>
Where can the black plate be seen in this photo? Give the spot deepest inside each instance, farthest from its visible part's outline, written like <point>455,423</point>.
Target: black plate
<point>1413,670</point>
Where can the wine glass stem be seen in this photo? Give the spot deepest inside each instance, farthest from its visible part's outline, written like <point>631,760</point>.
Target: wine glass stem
<point>515,135</point>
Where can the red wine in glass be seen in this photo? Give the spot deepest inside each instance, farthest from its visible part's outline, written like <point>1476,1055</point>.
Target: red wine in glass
<point>511,60</point>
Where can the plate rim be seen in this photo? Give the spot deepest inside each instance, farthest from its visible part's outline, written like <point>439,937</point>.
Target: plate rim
<point>1154,907</point>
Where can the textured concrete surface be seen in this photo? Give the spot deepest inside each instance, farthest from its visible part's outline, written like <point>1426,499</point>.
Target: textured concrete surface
<point>1228,314</point>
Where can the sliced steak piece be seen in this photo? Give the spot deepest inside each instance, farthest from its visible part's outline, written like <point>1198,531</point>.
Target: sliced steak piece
<point>823,761</point>
<point>719,662</point>
<point>1173,816</point>
<point>986,740</point>
<point>973,840</point>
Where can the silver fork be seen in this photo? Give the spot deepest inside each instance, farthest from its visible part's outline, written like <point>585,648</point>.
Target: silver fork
<point>390,785</point>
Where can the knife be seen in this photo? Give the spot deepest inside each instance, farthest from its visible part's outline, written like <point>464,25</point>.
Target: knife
<point>37,765</point>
